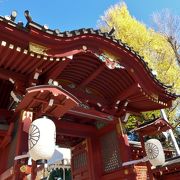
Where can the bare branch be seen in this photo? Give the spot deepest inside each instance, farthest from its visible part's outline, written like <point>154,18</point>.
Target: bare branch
<point>168,24</point>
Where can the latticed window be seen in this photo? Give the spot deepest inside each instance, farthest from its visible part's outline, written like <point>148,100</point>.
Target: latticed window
<point>80,160</point>
<point>110,152</point>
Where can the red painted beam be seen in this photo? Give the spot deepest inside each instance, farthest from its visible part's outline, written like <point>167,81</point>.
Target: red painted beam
<point>7,174</point>
<point>83,96</point>
<point>74,129</point>
<point>60,53</point>
<point>3,133</point>
<point>56,71</point>
<point>91,114</point>
<point>6,75</point>
<point>51,100</point>
<point>126,93</point>
<point>6,113</point>
<point>11,59</point>
<point>12,34</point>
<point>26,62</point>
<point>92,76</point>
<point>5,54</point>
<point>7,138</point>
<point>127,109</point>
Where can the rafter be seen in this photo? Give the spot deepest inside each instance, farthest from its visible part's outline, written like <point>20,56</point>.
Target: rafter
<point>6,113</point>
<point>127,109</point>
<point>83,96</point>
<point>3,133</point>
<point>7,138</point>
<point>125,94</point>
<point>56,71</point>
<point>33,80</point>
<point>6,75</point>
<point>92,76</point>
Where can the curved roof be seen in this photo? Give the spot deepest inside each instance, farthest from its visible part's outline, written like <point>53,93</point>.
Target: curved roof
<point>94,66</point>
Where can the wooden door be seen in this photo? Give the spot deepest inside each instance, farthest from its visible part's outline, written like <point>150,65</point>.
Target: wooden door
<point>80,162</point>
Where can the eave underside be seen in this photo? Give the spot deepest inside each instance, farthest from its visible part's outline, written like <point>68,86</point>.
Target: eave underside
<point>82,73</point>
<point>85,76</point>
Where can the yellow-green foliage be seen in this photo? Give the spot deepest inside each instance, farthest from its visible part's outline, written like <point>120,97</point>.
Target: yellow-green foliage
<point>151,45</point>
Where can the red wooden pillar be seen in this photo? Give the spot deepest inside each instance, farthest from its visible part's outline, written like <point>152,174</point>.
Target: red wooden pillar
<point>33,170</point>
<point>124,144</point>
<point>3,158</point>
<point>17,150</point>
<point>96,157</point>
<point>22,143</point>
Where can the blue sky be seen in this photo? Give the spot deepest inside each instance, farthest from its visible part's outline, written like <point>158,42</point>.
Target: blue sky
<point>71,14</point>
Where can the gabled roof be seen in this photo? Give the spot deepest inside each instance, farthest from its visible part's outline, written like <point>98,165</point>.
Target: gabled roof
<point>87,73</point>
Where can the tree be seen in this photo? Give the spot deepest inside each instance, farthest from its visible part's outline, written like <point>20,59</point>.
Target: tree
<point>151,45</point>
<point>55,174</point>
<point>168,24</point>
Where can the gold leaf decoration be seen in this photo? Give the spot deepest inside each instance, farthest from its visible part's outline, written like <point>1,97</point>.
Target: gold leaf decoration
<point>38,49</point>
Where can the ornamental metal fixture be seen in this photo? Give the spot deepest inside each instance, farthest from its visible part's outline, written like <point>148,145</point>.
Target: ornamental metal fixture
<point>84,106</point>
<point>110,63</point>
<point>72,85</point>
<point>37,48</point>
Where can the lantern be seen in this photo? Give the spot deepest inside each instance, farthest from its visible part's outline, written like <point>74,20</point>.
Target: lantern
<point>154,151</point>
<point>41,141</point>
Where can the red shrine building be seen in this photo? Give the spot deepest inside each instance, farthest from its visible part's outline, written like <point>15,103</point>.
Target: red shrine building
<point>88,83</point>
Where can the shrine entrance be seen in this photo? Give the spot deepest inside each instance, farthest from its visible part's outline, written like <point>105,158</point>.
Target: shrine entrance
<point>97,151</point>
<point>85,81</point>
<point>99,156</point>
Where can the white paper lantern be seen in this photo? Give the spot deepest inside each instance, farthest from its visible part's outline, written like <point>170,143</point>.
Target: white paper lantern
<point>41,142</point>
<point>154,151</point>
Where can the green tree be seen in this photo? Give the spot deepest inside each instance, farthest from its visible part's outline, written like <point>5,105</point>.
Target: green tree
<point>168,24</point>
<point>55,174</point>
<point>151,45</point>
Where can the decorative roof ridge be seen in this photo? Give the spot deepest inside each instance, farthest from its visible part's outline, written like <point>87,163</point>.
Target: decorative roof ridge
<point>92,31</point>
<point>82,31</point>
